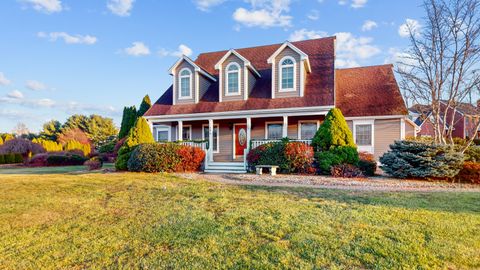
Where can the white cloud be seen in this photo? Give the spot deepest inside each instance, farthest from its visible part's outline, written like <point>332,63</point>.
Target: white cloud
<point>206,5</point>
<point>351,49</point>
<point>67,38</point>
<point>46,6</point>
<point>264,13</point>
<point>4,80</point>
<point>182,50</point>
<point>409,25</point>
<point>313,15</point>
<point>45,102</point>
<point>120,7</point>
<point>31,103</point>
<point>137,49</point>
<point>15,94</point>
<point>369,25</point>
<point>358,3</point>
<point>354,3</point>
<point>303,34</point>
<point>35,85</point>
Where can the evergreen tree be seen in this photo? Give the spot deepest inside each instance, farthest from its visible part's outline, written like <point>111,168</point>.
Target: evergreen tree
<point>1,141</point>
<point>333,132</point>
<point>99,129</point>
<point>8,137</point>
<point>144,106</point>
<point>51,130</point>
<point>139,134</point>
<point>128,120</point>
<point>77,121</point>
<point>421,160</point>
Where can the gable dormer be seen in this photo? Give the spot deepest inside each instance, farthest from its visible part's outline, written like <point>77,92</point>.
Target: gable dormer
<point>236,76</point>
<point>289,71</point>
<point>190,81</point>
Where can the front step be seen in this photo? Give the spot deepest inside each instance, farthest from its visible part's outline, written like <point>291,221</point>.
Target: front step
<point>225,167</point>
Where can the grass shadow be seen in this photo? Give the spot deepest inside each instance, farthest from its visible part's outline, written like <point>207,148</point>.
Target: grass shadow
<point>453,202</point>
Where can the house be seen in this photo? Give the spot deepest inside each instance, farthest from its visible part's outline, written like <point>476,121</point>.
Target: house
<point>463,119</point>
<point>241,98</point>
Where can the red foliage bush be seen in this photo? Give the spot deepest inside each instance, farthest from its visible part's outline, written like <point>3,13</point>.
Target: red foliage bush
<point>367,163</point>
<point>346,171</point>
<point>192,158</point>
<point>73,134</point>
<point>94,163</point>
<point>299,156</point>
<point>470,173</point>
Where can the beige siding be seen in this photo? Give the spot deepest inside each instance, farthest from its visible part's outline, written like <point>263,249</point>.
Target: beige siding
<point>203,85</point>
<point>232,58</point>
<point>350,125</point>
<point>386,132</point>
<point>183,65</point>
<point>409,129</point>
<point>287,52</point>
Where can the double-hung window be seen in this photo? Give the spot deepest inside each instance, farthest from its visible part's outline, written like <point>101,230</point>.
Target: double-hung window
<point>363,133</point>
<point>187,133</point>
<point>307,130</point>
<point>233,79</point>
<point>162,133</point>
<point>287,74</point>
<point>185,83</point>
<point>274,131</point>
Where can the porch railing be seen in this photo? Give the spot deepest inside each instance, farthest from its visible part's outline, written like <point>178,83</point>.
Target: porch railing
<point>255,142</point>
<point>200,144</point>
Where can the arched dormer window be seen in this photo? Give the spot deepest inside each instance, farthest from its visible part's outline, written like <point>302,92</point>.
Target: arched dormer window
<point>287,74</point>
<point>185,83</point>
<point>233,79</point>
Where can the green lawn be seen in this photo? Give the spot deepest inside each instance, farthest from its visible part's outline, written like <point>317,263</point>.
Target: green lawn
<point>160,221</point>
<point>49,170</point>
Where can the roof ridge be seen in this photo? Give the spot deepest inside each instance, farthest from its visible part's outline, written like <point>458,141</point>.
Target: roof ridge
<point>266,45</point>
<point>362,67</point>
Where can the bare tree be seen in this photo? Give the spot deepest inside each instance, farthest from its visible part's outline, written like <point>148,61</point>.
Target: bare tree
<point>20,129</point>
<point>441,67</point>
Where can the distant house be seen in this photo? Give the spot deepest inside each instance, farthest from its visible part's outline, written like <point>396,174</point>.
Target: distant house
<point>463,125</point>
<point>241,98</point>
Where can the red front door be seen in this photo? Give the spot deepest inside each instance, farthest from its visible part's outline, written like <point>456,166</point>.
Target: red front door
<point>240,139</point>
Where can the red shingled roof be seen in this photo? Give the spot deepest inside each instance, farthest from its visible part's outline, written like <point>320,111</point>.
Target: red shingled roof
<point>368,91</point>
<point>319,87</point>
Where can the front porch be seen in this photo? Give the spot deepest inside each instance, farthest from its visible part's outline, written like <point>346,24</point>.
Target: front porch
<point>227,142</point>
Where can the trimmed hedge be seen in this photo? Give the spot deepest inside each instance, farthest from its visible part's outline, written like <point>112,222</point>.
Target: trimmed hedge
<point>11,158</point>
<point>65,159</point>
<point>165,157</point>
<point>94,163</point>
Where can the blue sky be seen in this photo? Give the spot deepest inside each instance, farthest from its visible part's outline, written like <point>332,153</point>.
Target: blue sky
<point>60,57</point>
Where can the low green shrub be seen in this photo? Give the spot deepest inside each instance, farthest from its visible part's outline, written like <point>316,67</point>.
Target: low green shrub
<point>411,159</point>
<point>9,158</point>
<point>472,154</point>
<point>18,158</point>
<point>2,159</point>
<point>336,156</point>
<point>367,163</point>
<point>345,171</point>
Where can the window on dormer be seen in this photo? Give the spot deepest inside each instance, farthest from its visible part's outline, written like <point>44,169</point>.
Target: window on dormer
<point>185,80</point>
<point>233,79</point>
<point>287,74</point>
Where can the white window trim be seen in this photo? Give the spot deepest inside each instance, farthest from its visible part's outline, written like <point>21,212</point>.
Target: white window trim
<point>364,148</point>
<point>190,131</point>
<point>227,92</point>
<point>300,122</point>
<point>180,83</point>
<point>218,135</point>
<point>280,67</point>
<point>163,128</point>
<point>266,128</point>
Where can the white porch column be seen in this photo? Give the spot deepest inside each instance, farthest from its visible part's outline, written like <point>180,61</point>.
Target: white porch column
<point>249,128</point>
<point>210,139</point>
<point>180,131</point>
<point>285,127</point>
